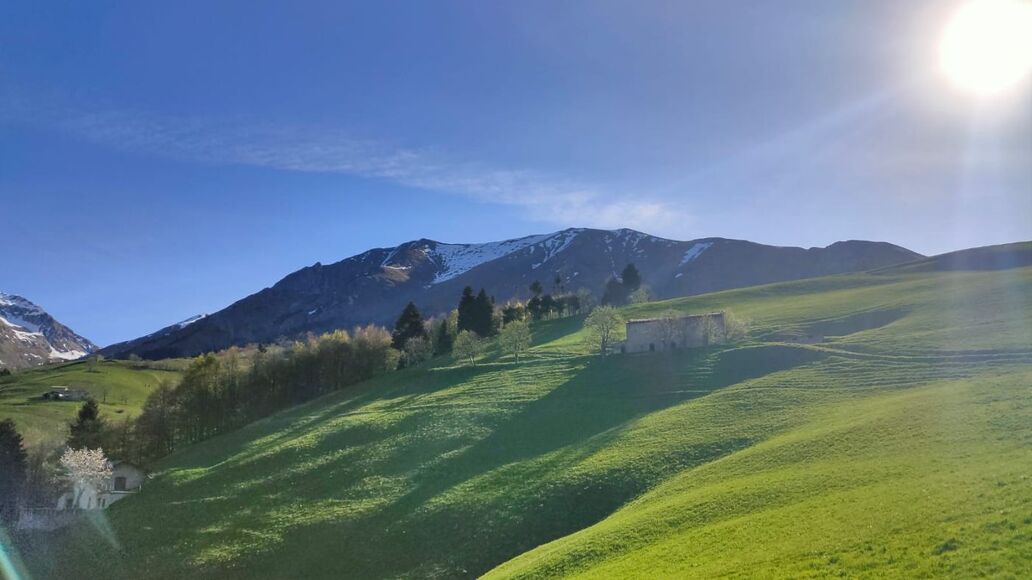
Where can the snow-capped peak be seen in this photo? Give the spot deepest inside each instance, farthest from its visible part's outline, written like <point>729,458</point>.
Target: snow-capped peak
<point>29,336</point>
<point>14,301</point>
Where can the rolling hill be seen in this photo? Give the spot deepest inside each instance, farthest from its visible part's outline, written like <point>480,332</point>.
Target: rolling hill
<point>120,387</point>
<point>898,445</point>
<point>372,287</point>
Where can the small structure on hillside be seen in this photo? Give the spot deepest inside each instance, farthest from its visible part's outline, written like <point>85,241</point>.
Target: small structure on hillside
<point>66,394</point>
<point>674,332</point>
<point>126,479</point>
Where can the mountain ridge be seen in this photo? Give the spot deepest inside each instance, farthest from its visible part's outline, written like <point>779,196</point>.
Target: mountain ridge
<point>29,336</point>
<point>373,286</point>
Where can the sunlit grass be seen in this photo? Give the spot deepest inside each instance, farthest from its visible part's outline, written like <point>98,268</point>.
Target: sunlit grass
<point>120,388</point>
<point>894,447</point>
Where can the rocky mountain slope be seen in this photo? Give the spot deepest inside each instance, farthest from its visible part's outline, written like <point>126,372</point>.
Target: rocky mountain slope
<point>30,337</point>
<point>372,287</point>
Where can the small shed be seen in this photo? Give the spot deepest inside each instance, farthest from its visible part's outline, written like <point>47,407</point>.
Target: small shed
<point>66,394</point>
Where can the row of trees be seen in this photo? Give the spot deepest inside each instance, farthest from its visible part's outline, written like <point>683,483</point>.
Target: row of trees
<point>224,391</point>
<point>559,303</point>
<point>219,393</point>
<point>463,332</point>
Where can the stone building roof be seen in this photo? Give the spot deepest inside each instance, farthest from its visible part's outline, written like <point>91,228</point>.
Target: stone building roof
<point>642,320</point>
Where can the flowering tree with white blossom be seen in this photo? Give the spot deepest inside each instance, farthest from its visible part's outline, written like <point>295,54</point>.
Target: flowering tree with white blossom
<point>85,469</point>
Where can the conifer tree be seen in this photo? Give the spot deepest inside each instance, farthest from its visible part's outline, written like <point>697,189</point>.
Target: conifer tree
<point>631,279</point>
<point>534,307</point>
<point>483,314</point>
<point>88,428</point>
<point>467,310</point>
<point>13,468</point>
<point>614,293</point>
<point>409,325</point>
<point>443,339</point>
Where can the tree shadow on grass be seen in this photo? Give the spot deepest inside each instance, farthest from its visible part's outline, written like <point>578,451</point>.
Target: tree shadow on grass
<point>430,534</point>
<point>429,448</point>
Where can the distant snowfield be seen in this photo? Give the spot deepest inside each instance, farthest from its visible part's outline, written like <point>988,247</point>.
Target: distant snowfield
<point>695,251</point>
<point>457,259</point>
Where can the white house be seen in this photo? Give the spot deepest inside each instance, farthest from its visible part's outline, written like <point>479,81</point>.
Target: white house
<point>126,479</point>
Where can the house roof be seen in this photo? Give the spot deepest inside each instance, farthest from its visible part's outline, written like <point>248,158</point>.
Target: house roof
<point>122,463</point>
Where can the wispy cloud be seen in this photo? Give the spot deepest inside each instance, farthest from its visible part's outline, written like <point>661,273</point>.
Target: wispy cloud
<point>543,197</point>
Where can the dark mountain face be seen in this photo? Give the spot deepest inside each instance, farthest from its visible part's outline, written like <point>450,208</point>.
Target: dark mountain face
<point>374,286</point>
<point>31,337</point>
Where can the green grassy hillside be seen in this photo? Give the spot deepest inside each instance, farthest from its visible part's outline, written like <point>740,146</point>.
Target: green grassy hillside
<point>899,445</point>
<point>119,386</point>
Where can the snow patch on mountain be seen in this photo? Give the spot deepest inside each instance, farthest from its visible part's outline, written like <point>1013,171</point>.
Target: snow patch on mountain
<point>559,242</point>
<point>67,354</point>
<point>695,251</point>
<point>457,259</point>
<point>20,331</point>
<point>191,320</point>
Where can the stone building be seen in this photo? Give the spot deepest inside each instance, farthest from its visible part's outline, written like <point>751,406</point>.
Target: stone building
<point>668,333</point>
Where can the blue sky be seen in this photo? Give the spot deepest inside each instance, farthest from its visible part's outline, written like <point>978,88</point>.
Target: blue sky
<point>159,160</point>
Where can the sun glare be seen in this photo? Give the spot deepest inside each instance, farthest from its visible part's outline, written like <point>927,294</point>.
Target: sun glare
<point>986,48</point>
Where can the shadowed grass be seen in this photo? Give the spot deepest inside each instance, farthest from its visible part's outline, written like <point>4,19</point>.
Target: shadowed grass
<point>893,447</point>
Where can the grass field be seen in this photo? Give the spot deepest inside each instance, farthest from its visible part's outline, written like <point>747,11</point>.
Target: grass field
<point>120,387</point>
<point>900,445</point>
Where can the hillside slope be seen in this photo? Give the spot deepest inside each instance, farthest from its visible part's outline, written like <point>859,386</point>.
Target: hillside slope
<point>372,287</point>
<point>31,337</point>
<point>898,446</point>
<point>120,387</point>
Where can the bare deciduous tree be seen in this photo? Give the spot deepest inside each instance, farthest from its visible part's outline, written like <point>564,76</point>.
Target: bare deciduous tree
<point>734,328</point>
<point>640,296</point>
<point>417,350</point>
<point>515,338</point>
<point>601,326</point>
<point>468,345</point>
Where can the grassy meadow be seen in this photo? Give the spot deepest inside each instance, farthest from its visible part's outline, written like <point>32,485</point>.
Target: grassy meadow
<point>899,444</point>
<point>120,387</point>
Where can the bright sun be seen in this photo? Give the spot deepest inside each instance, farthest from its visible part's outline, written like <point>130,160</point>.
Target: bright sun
<point>987,46</point>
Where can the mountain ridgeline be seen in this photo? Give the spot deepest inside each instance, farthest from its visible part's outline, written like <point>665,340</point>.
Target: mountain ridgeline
<point>374,286</point>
